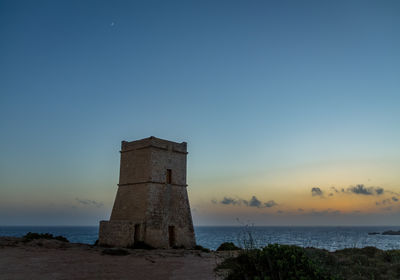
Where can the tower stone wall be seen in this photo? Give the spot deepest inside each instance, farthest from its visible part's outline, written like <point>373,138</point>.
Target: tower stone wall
<point>151,204</point>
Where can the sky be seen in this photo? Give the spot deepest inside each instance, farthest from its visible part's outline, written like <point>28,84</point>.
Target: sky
<point>291,109</point>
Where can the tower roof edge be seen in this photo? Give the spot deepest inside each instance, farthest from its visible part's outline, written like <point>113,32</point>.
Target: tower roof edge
<point>154,142</point>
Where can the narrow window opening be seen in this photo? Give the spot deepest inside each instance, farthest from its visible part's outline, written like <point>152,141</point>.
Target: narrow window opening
<point>137,233</point>
<point>169,176</point>
<point>171,236</point>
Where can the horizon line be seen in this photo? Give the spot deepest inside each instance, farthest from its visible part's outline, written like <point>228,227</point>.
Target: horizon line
<point>238,226</point>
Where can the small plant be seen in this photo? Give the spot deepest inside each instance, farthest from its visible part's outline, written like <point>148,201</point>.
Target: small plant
<point>246,239</point>
<point>274,262</point>
<point>32,235</point>
<point>228,246</point>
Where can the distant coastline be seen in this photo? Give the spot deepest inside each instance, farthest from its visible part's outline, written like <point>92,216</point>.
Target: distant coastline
<point>325,237</point>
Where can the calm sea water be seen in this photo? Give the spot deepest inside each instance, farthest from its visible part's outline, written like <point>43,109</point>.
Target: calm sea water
<point>330,238</point>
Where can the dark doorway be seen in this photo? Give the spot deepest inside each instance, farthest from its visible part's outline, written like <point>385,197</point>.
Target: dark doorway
<point>171,235</point>
<point>169,176</point>
<point>137,233</point>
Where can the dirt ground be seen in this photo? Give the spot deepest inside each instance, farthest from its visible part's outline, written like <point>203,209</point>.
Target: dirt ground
<point>51,259</point>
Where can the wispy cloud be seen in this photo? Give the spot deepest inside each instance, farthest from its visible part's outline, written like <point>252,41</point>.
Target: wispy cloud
<point>270,203</point>
<point>387,201</point>
<point>384,202</point>
<point>379,191</point>
<point>90,203</point>
<point>253,202</point>
<point>334,189</point>
<point>228,201</point>
<point>362,190</point>
<point>317,192</point>
<point>359,189</point>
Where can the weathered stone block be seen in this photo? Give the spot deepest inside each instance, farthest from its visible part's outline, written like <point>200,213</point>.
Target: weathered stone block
<point>117,233</point>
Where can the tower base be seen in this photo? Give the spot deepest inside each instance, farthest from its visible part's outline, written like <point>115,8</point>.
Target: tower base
<point>126,233</point>
<point>117,233</point>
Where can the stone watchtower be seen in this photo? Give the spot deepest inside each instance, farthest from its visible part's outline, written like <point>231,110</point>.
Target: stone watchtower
<point>152,204</point>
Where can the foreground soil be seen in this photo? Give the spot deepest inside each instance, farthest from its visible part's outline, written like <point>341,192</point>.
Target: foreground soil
<point>52,259</point>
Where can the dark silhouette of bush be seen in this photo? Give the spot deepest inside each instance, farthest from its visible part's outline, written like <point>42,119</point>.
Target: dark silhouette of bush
<point>228,246</point>
<point>32,235</point>
<point>201,248</point>
<point>274,262</point>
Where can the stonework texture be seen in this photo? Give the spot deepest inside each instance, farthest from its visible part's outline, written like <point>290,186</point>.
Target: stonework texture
<point>152,204</point>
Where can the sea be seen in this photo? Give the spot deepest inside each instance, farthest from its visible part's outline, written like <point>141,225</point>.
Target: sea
<point>330,237</point>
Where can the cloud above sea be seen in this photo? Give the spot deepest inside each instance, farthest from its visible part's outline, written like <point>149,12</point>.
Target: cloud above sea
<point>252,202</point>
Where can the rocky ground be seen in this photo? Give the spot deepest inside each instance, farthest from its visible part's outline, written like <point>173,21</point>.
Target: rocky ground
<point>52,259</point>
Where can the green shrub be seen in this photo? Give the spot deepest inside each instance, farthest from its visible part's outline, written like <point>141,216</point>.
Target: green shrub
<point>391,256</point>
<point>369,251</point>
<point>228,246</point>
<point>32,235</point>
<point>273,262</point>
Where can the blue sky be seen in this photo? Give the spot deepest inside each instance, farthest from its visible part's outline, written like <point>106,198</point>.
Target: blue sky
<point>273,98</point>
